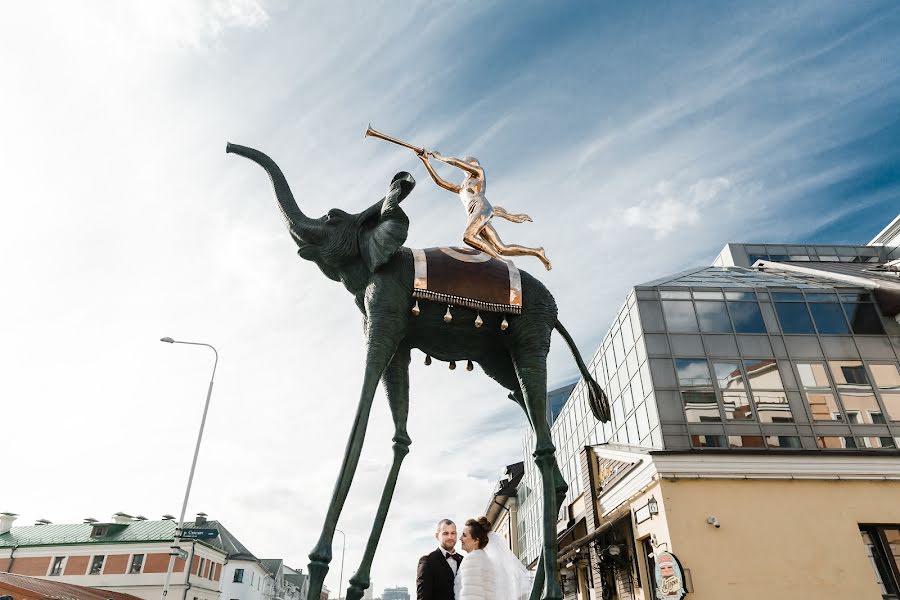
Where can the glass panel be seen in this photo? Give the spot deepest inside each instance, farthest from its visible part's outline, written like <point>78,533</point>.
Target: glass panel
<point>740,296</point>
<point>813,375</point>
<point>698,295</point>
<point>737,406</point>
<point>794,317</point>
<point>693,372</point>
<point>821,297</point>
<point>713,317</point>
<point>772,407</point>
<point>651,315</point>
<point>864,319</point>
<point>728,375</point>
<point>829,318</point>
<point>700,406</point>
<point>886,377</point>
<point>861,408</point>
<point>787,296</point>
<point>709,441</point>
<point>892,405</point>
<point>745,441</point>
<point>856,297</point>
<point>823,406</point>
<point>783,441</point>
<point>848,374</point>
<point>832,442</point>
<point>892,536</point>
<point>763,374</point>
<point>746,317</point>
<point>875,442</point>
<point>679,316</point>
<point>675,294</point>
<point>755,257</point>
<point>878,561</point>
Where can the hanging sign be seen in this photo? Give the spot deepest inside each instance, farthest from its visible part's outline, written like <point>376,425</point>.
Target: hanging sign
<point>669,577</point>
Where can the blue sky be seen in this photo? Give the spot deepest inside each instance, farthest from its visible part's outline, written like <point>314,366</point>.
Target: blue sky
<point>641,137</point>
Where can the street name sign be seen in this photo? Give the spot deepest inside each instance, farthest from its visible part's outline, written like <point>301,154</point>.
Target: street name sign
<point>196,533</point>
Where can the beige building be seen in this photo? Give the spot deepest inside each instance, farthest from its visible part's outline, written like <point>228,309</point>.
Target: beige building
<point>502,511</point>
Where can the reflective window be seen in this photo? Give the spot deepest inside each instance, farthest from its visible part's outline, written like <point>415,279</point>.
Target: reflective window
<point>692,372</point>
<point>875,442</point>
<point>763,374</point>
<point>679,316</point>
<point>709,441</point>
<point>886,377</point>
<point>745,441</point>
<point>740,296</point>
<point>713,317</point>
<point>787,296</point>
<point>856,297</point>
<point>747,317</point>
<point>651,316</point>
<point>735,399</point>
<point>697,395</point>
<point>891,402</point>
<point>864,319</point>
<point>783,441</point>
<point>883,551</point>
<point>675,294</point>
<point>821,297</point>
<point>700,295</point>
<point>861,407</point>
<point>794,317</point>
<point>755,257</point>
<point>829,318</point>
<point>848,374</point>
<point>833,442</point>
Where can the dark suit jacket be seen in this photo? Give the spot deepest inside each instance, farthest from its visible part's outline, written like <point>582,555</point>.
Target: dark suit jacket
<point>434,577</point>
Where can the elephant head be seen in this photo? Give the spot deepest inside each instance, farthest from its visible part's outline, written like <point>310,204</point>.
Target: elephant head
<point>345,246</point>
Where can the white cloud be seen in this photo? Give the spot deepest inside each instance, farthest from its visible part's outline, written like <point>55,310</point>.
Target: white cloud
<point>668,207</point>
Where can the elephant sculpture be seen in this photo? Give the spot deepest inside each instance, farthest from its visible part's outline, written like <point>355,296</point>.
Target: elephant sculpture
<point>365,253</point>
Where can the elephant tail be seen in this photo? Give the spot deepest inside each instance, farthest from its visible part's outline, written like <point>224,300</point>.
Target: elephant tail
<point>596,396</point>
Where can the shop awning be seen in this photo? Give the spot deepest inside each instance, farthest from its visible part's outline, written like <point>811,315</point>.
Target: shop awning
<point>566,553</point>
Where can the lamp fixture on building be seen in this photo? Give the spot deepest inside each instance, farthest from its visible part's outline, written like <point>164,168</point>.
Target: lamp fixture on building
<point>652,506</point>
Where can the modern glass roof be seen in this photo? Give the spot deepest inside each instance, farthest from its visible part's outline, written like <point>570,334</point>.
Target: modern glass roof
<point>737,277</point>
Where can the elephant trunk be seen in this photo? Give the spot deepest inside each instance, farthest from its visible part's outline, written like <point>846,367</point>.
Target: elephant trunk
<point>296,220</point>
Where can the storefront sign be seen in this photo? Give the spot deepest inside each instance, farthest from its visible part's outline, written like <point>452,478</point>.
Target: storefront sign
<point>669,577</point>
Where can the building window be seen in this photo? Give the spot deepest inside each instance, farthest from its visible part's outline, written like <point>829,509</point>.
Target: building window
<point>855,391</point>
<point>697,394</point>
<point>137,563</point>
<point>713,317</point>
<point>679,316</point>
<point>730,381</point>
<point>200,567</point>
<point>96,565</point>
<point>793,316</point>
<point>747,317</point>
<point>883,550</point>
<point>887,380</point>
<point>783,441</point>
<point>238,576</point>
<point>709,441</point>
<point>768,391</point>
<point>56,569</point>
<point>829,318</point>
<point>864,319</point>
<point>818,392</point>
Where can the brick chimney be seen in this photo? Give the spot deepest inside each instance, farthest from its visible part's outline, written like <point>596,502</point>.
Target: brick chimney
<point>200,520</point>
<point>6,521</point>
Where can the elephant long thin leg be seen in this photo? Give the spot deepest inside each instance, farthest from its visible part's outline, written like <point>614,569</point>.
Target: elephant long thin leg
<point>532,372</point>
<point>396,386</point>
<point>381,344</point>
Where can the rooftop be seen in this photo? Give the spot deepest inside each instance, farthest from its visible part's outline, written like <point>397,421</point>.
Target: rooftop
<point>55,590</point>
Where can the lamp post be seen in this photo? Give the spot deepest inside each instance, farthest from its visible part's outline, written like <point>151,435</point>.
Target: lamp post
<point>343,551</point>
<point>187,491</point>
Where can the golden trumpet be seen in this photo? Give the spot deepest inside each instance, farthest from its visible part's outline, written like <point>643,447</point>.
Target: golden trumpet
<point>371,132</point>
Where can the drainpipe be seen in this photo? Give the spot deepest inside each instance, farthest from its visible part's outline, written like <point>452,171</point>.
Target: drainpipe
<point>188,567</point>
<point>11,559</point>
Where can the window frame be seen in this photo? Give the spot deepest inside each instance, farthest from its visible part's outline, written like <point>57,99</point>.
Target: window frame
<point>882,547</point>
<point>99,570</point>
<point>56,566</point>
<point>140,569</point>
<point>238,576</point>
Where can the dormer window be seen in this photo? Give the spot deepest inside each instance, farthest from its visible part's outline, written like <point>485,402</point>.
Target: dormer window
<point>99,531</point>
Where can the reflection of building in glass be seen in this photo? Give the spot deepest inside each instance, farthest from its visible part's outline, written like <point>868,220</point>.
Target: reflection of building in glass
<point>781,351</point>
<point>556,399</point>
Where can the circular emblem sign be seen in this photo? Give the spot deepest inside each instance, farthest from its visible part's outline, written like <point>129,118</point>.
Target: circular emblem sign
<point>669,577</point>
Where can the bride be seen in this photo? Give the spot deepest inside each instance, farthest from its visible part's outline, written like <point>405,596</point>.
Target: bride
<point>490,571</point>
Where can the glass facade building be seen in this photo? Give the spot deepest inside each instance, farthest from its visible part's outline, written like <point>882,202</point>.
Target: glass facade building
<point>735,358</point>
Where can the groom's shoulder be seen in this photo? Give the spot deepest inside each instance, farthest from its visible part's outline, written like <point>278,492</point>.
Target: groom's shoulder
<point>430,555</point>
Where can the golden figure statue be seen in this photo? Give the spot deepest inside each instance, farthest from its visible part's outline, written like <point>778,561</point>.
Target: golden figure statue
<point>479,233</point>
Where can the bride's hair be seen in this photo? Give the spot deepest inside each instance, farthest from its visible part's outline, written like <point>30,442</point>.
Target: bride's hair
<point>479,530</point>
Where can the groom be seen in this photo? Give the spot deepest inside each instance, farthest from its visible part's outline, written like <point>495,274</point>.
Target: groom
<point>434,577</point>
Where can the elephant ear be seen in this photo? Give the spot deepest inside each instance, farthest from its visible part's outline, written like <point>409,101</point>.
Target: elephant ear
<point>384,225</point>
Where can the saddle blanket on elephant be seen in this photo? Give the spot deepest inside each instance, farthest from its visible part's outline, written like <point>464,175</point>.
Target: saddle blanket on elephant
<point>467,277</point>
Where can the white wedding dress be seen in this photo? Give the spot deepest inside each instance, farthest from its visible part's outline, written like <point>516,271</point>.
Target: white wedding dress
<point>493,573</point>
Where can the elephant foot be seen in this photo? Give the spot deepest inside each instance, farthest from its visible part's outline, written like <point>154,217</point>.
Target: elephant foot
<point>355,593</point>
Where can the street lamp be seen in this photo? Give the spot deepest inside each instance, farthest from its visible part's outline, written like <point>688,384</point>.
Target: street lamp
<point>343,551</point>
<point>187,491</point>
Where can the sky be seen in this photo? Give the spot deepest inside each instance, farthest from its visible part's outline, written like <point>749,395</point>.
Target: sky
<point>640,137</point>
